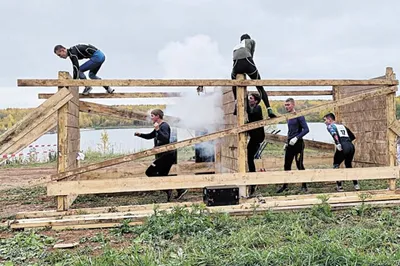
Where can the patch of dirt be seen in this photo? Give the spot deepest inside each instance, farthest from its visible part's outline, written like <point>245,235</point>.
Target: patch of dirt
<point>24,177</point>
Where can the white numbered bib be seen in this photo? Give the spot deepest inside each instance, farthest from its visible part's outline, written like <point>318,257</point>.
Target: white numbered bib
<point>342,131</point>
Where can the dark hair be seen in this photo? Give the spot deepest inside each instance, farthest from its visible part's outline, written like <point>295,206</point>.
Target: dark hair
<point>331,116</point>
<point>256,97</point>
<point>244,36</point>
<point>158,112</point>
<point>58,47</point>
<point>290,100</point>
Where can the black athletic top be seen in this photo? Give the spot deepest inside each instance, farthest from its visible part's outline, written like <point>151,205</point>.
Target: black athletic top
<point>161,137</point>
<point>255,114</point>
<point>78,52</point>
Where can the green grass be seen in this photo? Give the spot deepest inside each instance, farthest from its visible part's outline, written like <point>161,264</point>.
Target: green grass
<point>192,237</point>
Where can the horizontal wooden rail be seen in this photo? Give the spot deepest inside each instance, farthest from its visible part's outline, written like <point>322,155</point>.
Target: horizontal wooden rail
<point>177,94</point>
<point>201,181</point>
<point>200,82</point>
<point>221,134</point>
<point>310,144</point>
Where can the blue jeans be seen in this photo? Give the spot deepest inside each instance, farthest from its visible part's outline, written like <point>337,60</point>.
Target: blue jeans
<point>93,65</point>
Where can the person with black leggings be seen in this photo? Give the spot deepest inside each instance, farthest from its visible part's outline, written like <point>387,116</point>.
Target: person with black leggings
<point>257,135</point>
<point>345,149</point>
<point>243,64</point>
<point>164,161</point>
<point>294,147</point>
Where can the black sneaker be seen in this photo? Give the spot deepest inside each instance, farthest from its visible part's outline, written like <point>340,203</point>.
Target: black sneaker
<point>283,188</point>
<point>181,193</point>
<point>270,113</point>
<point>252,191</point>
<point>110,90</point>
<point>304,188</point>
<point>87,90</point>
<point>339,186</point>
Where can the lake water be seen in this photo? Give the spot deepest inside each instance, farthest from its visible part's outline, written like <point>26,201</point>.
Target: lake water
<point>123,141</point>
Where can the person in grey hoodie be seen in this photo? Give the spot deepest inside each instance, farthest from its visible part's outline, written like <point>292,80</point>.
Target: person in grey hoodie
<point>243,64</point>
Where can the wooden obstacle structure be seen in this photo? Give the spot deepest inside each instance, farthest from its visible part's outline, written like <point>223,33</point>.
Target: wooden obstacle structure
<point>354,102</point>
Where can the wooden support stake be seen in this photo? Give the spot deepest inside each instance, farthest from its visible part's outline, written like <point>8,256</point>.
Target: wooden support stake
<point>242,138</point>
<point>391,118</point>
<point>219,134</point>
<point>68,116</point>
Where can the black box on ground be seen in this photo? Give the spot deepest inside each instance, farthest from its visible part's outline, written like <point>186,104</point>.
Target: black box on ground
<point>223,195</point>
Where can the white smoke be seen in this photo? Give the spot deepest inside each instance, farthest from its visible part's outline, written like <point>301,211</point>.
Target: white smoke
<point>195,58</point>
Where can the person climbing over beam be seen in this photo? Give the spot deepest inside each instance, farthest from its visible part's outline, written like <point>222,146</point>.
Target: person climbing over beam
<point>294,146</point>
<point>345,149</point>
<point>164,161</point>
<point>257,135</point>
<point>83,51</point>
<point>243,64</point>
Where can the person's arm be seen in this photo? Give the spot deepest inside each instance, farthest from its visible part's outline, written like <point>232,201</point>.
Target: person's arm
<point>252,47</point>
<point>304,127</point>
<point>164,133</point>
<point>150,135</point>
<point>351,134</point>
<point>332,130</point>
<point>75,63</point>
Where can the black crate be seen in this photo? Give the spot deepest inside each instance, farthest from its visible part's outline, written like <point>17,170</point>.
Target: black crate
<point>218,196</point>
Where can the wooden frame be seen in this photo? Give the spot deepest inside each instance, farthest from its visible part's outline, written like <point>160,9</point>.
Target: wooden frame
<point>66,184</point>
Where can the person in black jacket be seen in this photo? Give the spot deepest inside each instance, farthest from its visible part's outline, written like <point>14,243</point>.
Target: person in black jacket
<point>83,51</point>
<point>164,161</point>
<point>345,149</point>
<point>257,135</point>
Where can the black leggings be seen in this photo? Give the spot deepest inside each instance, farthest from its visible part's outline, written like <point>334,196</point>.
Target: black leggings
<point>247,66</point>
<point>295,152</point>
<point>161,166</point>
<point>346,155</point>
<point>252,148</point>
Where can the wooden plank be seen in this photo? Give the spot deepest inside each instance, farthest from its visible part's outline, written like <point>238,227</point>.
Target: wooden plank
<point>278,162</point>
<point>218,134</point>
<point>200,82</point>
<point>95,108</point>
<point>201,181</point>
<point>120,95</point>
<point>16,138</point>
<point>242,137</point>
<point>395,127</point>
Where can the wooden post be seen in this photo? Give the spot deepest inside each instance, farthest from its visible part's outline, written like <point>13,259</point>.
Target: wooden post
<point>242,138</point>
<point>391,117</point>
<point>68,138</point>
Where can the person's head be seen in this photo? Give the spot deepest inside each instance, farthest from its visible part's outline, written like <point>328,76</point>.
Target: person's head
<point>329,119</point>
<point>61,51</point>
<point>245,37</point>
<point>289,105</point>
<point>156,115</point>
<point>254,99</point>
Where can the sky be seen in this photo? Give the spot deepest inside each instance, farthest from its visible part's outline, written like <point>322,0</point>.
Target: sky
<point>307,39</point>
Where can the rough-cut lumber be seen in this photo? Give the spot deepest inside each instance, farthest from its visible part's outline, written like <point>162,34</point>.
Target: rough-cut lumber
<point>218,134</point>
<point>395,127</point>
<point>242,138</point>
<point>33,125</point>
<point>201,82</point>
<point>110,217</point>
<point>177,94</point>
<point>68,139</point>
<point>201,181</point>
<point>288,200</point>
<point>95,108</point>
<point>309,144</point>
<point>122,95</point>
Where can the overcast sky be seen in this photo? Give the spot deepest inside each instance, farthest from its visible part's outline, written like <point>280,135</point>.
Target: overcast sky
<point>194,39</point>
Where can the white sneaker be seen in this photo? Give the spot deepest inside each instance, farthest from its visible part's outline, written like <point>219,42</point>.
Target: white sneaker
<point>110,90</point>
<point>357,187</point>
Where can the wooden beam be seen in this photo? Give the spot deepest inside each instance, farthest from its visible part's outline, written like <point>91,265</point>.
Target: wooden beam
<point>120,95</point>
<point>200,82</point>
<point>241,137</point>
<point>219,134</point>
<point>288,200</point>
<point>201,181</point>
<point>31,127</point>
<point>178,94</point>
<point>100,109</point>
<point>309,144</point>
<point>395,127</point>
